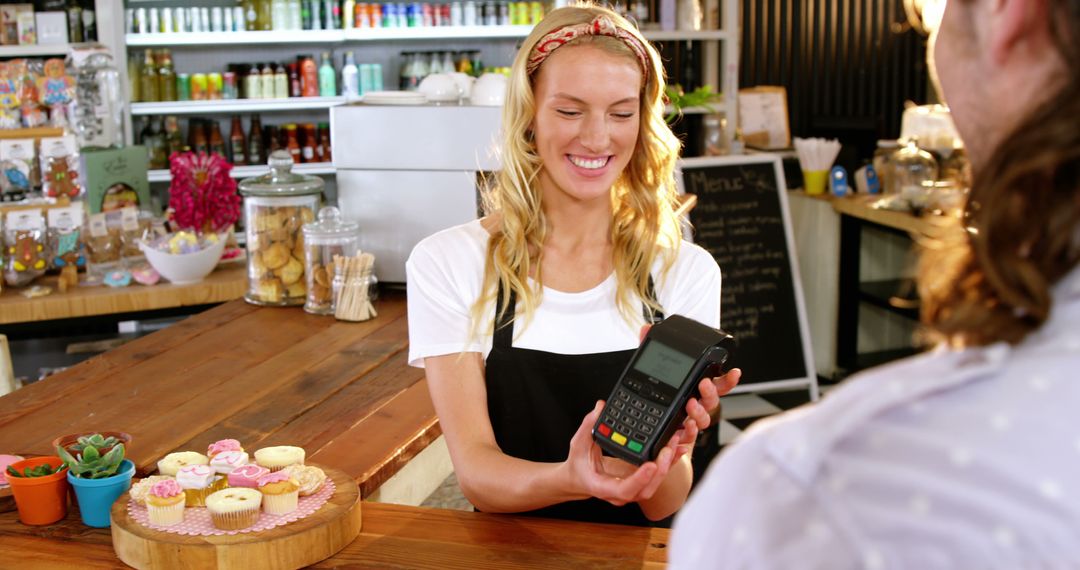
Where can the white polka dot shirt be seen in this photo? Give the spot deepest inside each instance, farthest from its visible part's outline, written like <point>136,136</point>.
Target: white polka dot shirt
<point>954,459</point>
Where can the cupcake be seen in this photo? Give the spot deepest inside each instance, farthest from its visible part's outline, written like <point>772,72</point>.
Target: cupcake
<point>224,462</point>
<point>234,508</point>
<point>310,478</point>
<point>279,457</point>
<point>171,463</point>
<point>281,493</point>
<point>246,476</point>
<point>223,445</point>
<point>165,503</point>
<point>198,481</point>
<point>140,490</point>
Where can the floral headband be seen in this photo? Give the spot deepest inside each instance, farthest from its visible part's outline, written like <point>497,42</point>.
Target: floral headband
<point>600,26</point>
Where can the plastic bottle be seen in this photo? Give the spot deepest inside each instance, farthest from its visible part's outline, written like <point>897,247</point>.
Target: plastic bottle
<point>253,83</point>
<point>348,15</point>
<point>295,17</point>
<point>267,80</point>
<point>327,77</point>
<point>279,14</point>
<point>309,76</point>
<point>350,80</point>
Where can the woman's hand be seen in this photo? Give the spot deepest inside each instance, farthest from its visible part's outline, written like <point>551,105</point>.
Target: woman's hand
<point>702,412</point>
<point>611,480</point>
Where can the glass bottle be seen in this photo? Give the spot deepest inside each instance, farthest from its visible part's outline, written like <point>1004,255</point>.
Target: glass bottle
<point>251,15</point>
<point>148,84</point>
<point>882,162</point>
<point>279,14</point>
<point>237,144</point>
<point>263,17</point>
<point>281,82</point>
<point>253,83</point>
<point>267,81</point>
<point>327,77</point>
<point>197,136</point>
<point>294,80</point>
<point>295,15</point>
<point>292,143</point>
<point>272,136</point>
<point>324,142</point>
<point>217,142</point>
<point>99,107</point>
<point>308,148</point>
<point>714,136</point>
<point>166,77</point>
<point>255,153</point>
<point>75,22</point>
<point>155,145</point>
<point>174,141</point>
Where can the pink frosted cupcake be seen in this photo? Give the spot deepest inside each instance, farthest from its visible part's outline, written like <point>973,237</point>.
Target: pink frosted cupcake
<point>165,503</point>
<point>247,476</point>
<point>198,481</point>
<point>223,445</point>
<point>281,493</point>
<point>225,462</point>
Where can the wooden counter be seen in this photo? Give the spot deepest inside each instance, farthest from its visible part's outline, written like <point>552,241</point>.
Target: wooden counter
<point>343,391</point>
<point>224,284</point>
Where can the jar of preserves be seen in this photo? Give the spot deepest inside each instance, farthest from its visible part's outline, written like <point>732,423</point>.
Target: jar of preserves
<point>329,238</point>
<point>276,207</point>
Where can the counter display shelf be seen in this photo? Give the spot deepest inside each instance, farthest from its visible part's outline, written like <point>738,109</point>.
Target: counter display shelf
<point>227,106</point>
<point>312,168</point>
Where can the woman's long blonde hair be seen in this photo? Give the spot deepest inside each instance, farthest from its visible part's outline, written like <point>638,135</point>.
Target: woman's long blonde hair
<point>644,226</point>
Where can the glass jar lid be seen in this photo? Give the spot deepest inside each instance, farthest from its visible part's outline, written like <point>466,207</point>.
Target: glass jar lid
<point>281,180</point>
<point>331,225</point>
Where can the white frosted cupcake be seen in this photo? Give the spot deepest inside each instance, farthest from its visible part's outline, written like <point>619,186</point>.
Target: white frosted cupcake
<point>234,508</point>
<point>171,463</point>
<point>224,462</point>
<point>279,457</point>
<point>165,503</point>
<point>198,481</point>
<point>309,477</point>
<point>281,493</point>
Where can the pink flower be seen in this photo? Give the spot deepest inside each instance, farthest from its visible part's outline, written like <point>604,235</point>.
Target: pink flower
<point>202,195</point>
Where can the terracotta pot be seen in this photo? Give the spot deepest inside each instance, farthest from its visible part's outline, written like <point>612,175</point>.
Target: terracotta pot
<point>66,441</point>
<point>40,500</point>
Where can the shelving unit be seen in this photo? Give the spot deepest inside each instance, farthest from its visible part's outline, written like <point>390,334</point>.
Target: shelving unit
<point>312,168</point>
<point>235,106</point>
<point>34,50</point>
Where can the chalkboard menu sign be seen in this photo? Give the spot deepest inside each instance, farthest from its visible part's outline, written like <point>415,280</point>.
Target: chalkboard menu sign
<point>741,218</point>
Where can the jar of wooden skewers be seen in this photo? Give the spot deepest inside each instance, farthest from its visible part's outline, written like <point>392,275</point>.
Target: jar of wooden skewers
<point>327,238</point>
<point>354,287</point>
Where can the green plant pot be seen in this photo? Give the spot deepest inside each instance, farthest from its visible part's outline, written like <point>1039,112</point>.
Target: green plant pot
<point>96,496</point>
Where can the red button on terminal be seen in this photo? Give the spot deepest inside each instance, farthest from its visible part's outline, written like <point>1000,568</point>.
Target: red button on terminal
<point>605,430</point>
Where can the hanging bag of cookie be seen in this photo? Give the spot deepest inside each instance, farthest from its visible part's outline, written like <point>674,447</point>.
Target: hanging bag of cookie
<point>18,169</point>
<point>25,250</point>
<point>60,169</point>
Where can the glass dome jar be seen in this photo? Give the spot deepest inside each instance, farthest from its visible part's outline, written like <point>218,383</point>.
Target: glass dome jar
<point>912,169</point>
<point>329,237</point>
<point>276,207</point>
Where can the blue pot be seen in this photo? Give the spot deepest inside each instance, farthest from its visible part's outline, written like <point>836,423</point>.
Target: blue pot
<point>96,496</point>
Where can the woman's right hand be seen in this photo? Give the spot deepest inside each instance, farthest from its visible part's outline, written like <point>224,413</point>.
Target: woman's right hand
<point>594,476</point>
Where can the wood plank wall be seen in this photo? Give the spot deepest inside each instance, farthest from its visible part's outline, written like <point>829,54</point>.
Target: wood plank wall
<point>848,65</point>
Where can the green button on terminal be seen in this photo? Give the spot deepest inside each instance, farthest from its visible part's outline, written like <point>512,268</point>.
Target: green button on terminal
<point>634,446</point>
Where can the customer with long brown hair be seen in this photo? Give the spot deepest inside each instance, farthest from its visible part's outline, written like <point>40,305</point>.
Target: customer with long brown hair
<point>525,319</point>
<point>969,456</point>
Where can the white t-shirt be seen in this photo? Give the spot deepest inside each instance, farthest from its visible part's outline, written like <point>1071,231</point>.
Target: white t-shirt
<point>446,269</point>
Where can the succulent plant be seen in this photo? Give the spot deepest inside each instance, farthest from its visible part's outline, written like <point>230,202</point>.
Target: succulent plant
<point>96,440</point>
<point>90,463</point>
<point>39,471</point>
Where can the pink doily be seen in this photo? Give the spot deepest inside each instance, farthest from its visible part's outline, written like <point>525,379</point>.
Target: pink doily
<point>197,519</point>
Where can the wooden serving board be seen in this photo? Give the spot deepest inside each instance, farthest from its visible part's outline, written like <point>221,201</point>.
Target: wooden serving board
<point>294,545</point>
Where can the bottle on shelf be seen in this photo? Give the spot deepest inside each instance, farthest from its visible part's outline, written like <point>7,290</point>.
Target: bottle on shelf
<point>327,77</point>
<point>305,14</point>
<point>263,16</point>
<point>316,15</point>
<point>309,76</point>
<point>253,83</point>
<point>332,14</point>
<point>75,22</point>
<point>255,153</point>
<point>155,144</point>
<point>279,14</point>
<point>292,143</point>
<point>281,82</point>
<point>272,136</point>
<point>174,141</point>
<point>295,15</point>
<point>251,15</point>
<point>166,77</point>
<point>295,89</point>
<point>217,142</point>
<point>324,143</point>
<point>308,149</point>
<point>89,18</point>
<point>197,138</point>
<point>348,15</point>
<point>350,80</point>
<point>148,79</point>
<point>267,80</point>
<point>237,144</point>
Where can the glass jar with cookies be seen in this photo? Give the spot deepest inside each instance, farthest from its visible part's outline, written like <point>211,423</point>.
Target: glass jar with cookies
<point>329,237</point>
<point>276,207</point>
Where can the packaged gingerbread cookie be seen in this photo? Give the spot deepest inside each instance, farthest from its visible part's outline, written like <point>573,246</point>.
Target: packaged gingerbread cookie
<point>60,169</point>
<point>25,252</point>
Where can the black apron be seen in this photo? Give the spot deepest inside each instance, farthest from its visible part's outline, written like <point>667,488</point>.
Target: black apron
<point>537,399</point>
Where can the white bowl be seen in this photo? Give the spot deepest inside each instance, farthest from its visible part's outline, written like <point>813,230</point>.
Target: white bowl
<point>183,268</point>
<point>464,83</point>
<point>440,88</point>
<point>489,90</point>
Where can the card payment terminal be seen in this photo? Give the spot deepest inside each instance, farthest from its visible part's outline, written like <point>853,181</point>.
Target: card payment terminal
<point>648,403</point>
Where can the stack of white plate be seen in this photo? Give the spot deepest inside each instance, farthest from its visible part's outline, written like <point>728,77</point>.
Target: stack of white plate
<point>393,98</point>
